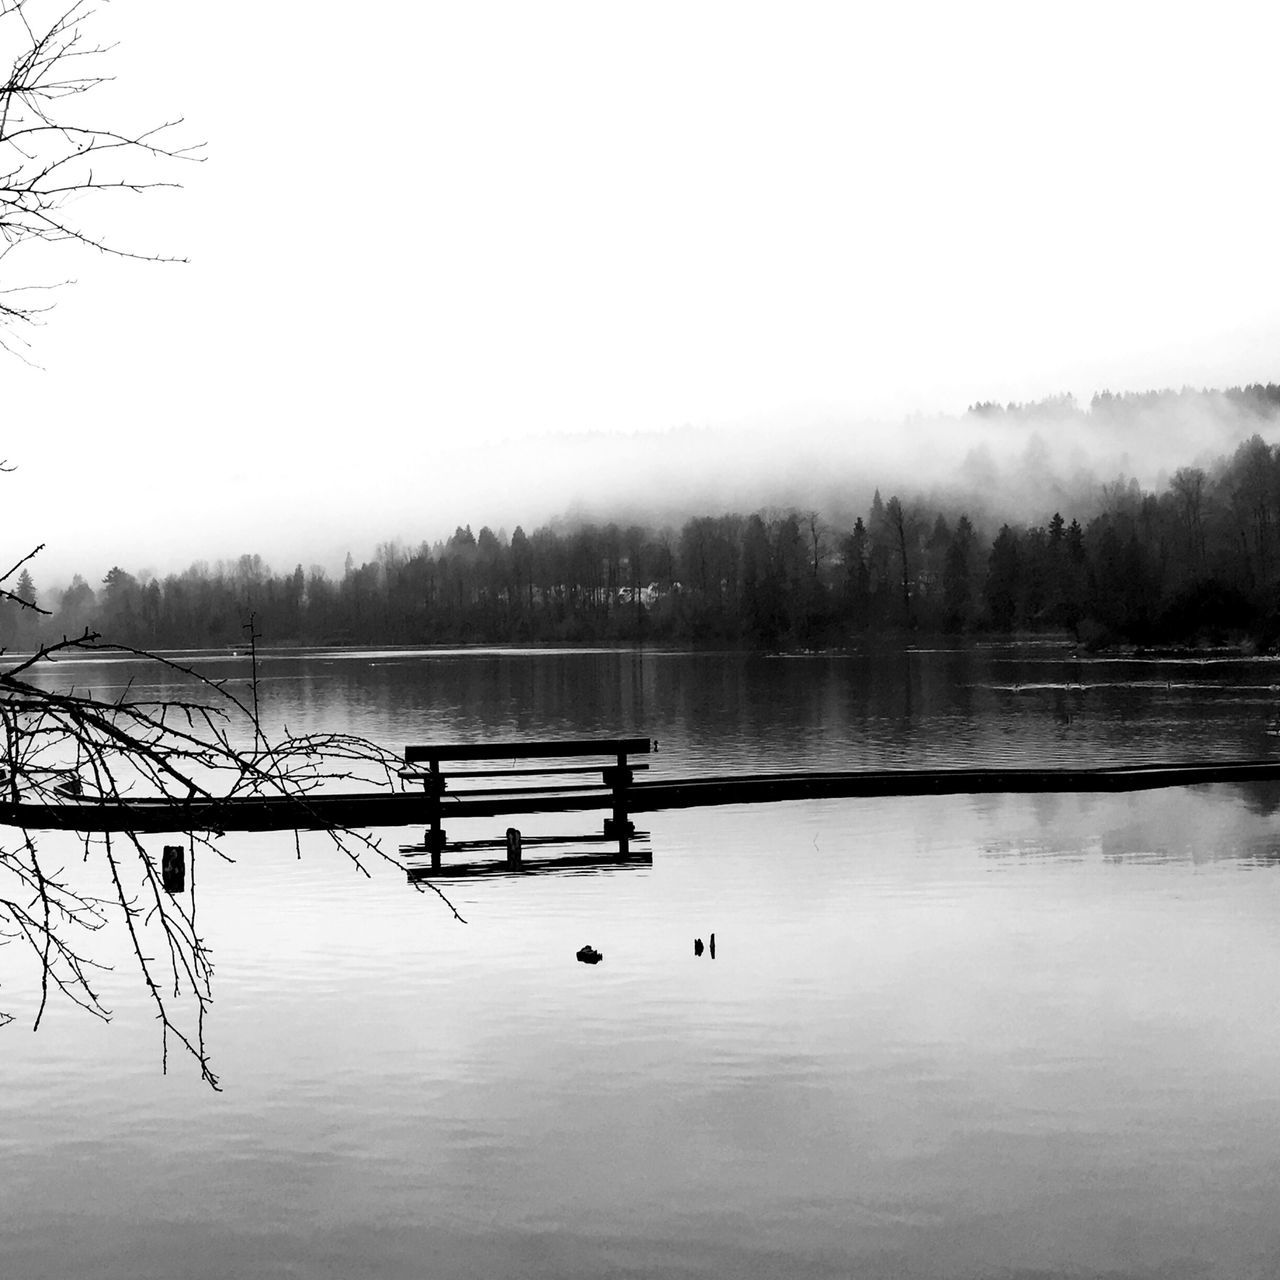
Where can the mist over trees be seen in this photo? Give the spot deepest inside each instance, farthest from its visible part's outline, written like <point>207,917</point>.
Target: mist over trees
<point>1014,462</point>
<point>1193,560</point>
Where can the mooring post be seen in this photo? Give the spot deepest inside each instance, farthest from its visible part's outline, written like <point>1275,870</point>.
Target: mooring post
<point>173,869</point>
<point>513,847</point>
<point>435,840</point>
<point>618,779</point>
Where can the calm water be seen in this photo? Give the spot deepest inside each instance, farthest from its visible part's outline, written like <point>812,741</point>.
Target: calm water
<point>962,1037</point>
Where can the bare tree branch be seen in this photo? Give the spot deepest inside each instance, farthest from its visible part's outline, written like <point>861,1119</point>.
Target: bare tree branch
<point>50,162</point>
<point>60,744</point>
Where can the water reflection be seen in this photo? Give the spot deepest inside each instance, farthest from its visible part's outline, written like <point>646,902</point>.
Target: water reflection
<point>943,1036</point>
<point>563,864</point>
<point>1260,797</point>
<point>964,704</point>
<point>1189,826</point>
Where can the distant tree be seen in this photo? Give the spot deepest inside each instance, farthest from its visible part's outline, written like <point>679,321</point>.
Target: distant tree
<point>879,554</point>
<point>119,604</point>
<point>957,578</point>
<point>1033,586</point>
<point>1003,580</point>
<point>857,579</point>
<point>761,590</point>
<point>634,540</point>
<point>26,620</point>
<point>897,523</point>
<point>817,540</point>
<point>76,607</point>
<point>522,568</point>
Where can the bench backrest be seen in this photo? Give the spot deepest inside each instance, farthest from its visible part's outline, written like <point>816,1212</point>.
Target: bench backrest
<point>528,750</point>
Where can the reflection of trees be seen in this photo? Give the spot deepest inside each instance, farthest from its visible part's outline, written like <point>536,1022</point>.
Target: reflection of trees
<point>1262,798</point>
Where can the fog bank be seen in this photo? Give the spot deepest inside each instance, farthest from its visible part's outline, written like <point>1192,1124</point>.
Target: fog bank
<point>1012,463</point>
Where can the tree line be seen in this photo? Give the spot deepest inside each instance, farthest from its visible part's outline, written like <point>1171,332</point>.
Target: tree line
<point>1198,560</point>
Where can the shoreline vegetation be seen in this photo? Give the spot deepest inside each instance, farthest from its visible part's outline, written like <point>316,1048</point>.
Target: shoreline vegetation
<point>1192,564</point>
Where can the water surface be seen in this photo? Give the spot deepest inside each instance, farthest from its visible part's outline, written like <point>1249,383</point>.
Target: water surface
<point>951,1036</point>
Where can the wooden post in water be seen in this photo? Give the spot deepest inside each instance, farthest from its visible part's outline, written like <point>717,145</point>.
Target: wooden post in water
<point>513,847</point>
<point>619,778</point>
<point>435,840</point>
<point>173,869</point>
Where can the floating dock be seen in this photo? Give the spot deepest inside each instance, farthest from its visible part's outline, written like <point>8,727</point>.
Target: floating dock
<point>619,795</point>
<point>759,788</point>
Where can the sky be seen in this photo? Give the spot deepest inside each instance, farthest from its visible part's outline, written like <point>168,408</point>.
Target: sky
<point>469,262</point>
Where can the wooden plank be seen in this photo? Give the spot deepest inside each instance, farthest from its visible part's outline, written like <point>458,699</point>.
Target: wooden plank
<point>551,789</point>
<point>239,813</point>
<point>568,863</point>
<point>419,775</point>
<point>462,846</point>
<point>529,750</point>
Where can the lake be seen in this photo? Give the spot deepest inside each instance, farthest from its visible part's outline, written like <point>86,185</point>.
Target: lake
<point>1016,1036</point>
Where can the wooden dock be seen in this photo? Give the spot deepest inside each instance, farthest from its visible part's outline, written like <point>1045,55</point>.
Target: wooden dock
<point>758,788</point>
<point>514,780</point>
<point>540,788</point>
<point>627,795</point>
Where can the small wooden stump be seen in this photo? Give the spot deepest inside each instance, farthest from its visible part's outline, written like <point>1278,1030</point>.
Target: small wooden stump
<point>436,839</point>
<point>173,869</point>
<point>513,847</point>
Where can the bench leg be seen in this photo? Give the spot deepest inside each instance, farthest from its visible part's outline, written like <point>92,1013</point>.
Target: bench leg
<point>436,836</point>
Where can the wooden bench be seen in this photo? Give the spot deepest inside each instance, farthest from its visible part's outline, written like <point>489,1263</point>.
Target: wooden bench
<point>540,789</point>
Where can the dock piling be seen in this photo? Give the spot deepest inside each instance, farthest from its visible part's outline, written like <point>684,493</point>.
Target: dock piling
<point>173,869</point>
<point>618,779</point>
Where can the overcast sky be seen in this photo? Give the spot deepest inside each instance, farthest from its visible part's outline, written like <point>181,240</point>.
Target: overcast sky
<point>427,236</point>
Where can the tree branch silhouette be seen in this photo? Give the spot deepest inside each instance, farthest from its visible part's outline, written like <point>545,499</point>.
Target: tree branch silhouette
<point>61,745</point>
<point>64,896</point>
<point>55,166</point>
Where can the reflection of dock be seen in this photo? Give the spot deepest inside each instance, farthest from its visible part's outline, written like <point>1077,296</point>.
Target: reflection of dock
<point>564,864</point>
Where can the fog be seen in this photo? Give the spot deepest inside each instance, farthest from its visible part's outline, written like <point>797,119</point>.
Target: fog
<point>633,267</point>
<point>1016,464</point>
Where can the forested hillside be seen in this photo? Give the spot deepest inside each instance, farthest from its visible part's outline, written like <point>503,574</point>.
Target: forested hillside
<point>1197,560</point>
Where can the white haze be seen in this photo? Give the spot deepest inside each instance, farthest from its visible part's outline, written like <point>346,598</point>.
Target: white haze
<point>1017,466</point>
<point>493,263</point>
